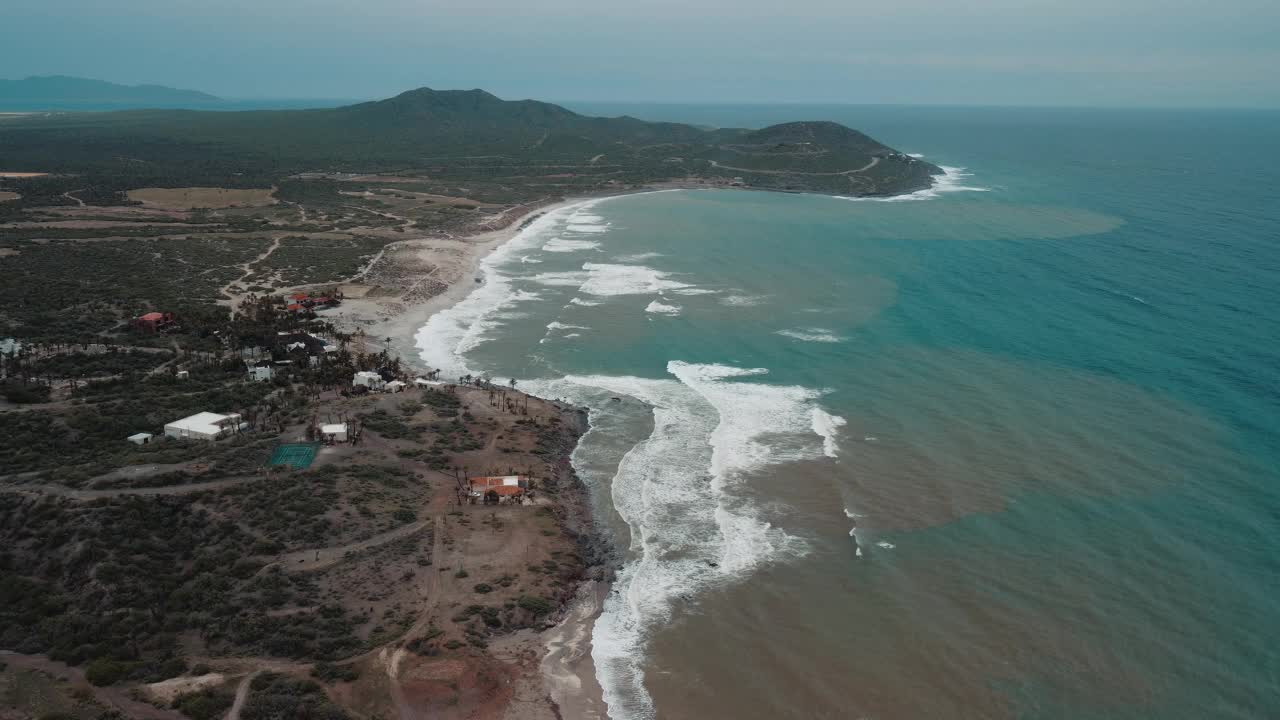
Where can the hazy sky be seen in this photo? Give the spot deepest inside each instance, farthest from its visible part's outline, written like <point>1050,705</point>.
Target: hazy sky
<point>1007,52</point>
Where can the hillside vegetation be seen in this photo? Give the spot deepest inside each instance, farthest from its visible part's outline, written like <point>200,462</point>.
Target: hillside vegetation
<point>470,134</point>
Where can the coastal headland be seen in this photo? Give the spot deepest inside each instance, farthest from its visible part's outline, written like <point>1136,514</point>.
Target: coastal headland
<point>272,286</point>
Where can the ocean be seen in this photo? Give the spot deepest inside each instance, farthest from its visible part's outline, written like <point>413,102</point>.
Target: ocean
<point>1002,449</point>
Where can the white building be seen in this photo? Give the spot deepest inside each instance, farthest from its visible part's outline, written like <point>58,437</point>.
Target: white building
<point>203,426</point>
<point>183,375</point>
<point>261,374</point>
<point>140,438</point>
<point>335,432</point>
<point>395,386</point>
<point>369,379</point>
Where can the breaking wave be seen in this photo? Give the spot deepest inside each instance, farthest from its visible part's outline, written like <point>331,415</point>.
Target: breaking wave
<point>675,490</point>
<point>951,180</point>
<point>659,308</point>
<point>811,334</point>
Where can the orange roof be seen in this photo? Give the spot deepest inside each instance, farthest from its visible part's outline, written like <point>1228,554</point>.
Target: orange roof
<point>299,296</point>
<point>152,316</point>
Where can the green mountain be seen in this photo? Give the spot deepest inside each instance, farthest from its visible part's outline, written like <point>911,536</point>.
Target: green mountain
<point>464,133</point>
<point>59,92</point>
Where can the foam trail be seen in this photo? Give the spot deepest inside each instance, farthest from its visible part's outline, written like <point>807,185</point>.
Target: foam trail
<point>565,245</point>
<point>949,181</point>
<point>827,425</point>
<point>811,334</point>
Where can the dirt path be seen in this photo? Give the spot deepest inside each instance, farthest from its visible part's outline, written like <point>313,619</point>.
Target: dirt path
<point>112,697</point>
<point>433,588</point>
<point>314,559</point>
<point>70,195</point>
<point>248,271</point>
<point>242,694</point>
<point>874,161</point>
<point>84,495</point>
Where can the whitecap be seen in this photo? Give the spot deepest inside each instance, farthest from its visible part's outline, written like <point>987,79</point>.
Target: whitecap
<point>565,245</point>
<point>567,278</point>
<point>583,303</point>
<point>587,228</point>
<point>638,257</point>
<point>828,426</point>
<point>662,309</point>
<point>742,300</point>
<point>811,334</point>
<point>695,291</point>
<point>608,279</point>
<point>886,545</point>
<point>527,259</point>
<point>556,325</point>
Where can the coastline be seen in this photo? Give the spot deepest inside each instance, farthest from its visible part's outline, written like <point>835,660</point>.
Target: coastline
<point>562,683</point>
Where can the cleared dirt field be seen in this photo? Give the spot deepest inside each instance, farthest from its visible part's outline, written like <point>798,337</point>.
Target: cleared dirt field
<point>8,196</point>
<point>212,198</point>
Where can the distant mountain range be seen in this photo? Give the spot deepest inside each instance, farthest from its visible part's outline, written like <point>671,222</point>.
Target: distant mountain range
<point>60,92</point>
<point>468,134</point>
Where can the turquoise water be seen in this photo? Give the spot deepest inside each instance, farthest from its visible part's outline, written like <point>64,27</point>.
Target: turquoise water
<point>1004,451</point>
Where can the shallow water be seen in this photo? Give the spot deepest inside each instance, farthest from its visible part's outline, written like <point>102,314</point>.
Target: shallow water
<point>998,453</point>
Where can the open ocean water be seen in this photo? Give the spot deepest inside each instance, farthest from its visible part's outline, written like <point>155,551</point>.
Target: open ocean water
<point>1007,449</point>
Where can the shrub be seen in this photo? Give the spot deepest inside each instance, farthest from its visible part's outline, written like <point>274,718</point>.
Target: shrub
<point>534,604</point>
<point>328,672</point>
<point>483,588</point>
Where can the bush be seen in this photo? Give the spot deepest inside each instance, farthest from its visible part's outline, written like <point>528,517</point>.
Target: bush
<point>204,704</point>
<point>484,588</point>
<point>534,604</point>
<point>461,574</point>
<point>105,671</point>
<point>328,672</point>
<point>405,516</point>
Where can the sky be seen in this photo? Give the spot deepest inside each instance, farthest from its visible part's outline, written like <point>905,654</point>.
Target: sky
<point>1125,53</point>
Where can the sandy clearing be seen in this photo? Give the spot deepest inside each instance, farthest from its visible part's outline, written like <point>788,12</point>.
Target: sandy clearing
<point>202,197</point>
<point>6,196</point>
<point>21,175</point>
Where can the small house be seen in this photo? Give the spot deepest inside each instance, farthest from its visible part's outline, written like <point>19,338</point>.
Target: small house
<point>368,379</point>
<point>183,375</point>
<point>499,488</point>
<point>141,438</point>
<point>395,386</point>
<point>261,373</point>
<point>153,322</point>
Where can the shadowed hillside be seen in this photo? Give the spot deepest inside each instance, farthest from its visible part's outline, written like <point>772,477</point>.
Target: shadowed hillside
<point>461,129</point>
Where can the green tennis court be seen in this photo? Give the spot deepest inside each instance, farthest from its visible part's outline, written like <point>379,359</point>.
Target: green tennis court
<point>299,456</point>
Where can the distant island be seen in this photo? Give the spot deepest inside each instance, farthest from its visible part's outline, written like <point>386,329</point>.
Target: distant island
<point>465,134</point>
<point>60,92</point>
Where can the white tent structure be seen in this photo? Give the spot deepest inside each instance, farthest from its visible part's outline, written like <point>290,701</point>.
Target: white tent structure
<point>395,386</point>
<point>335,432</point>
<point>203,426</point>
<point>141,438</point>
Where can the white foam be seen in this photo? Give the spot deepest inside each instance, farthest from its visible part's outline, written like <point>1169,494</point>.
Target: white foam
<point>742,300</point>
<point>451,332</point>
<point>828,426</point>
<point>811,334</point>
<point>527,259</point>
<point>583,303</point>
<point>567,278</point>
<point>689,530</point>
<point>915,155</point>
<point>886,545</point>
<point>949,181</point>
<point>607,279</point>
<point>638,257</point>
<point>562,326</point>
<point>658,307</point>
<point>695,291</point>
<point>587,228</point>
<point>573,335</point>
<point>565,245</point>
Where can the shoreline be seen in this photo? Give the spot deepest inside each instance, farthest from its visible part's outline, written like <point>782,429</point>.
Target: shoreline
<point>567,680</point>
